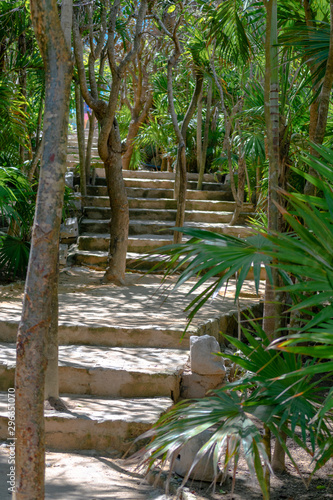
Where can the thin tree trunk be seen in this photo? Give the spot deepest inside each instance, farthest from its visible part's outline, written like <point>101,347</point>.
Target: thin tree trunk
<point>22,49</point>
<point>240,188</point>
<point>323,104</point>
<point>206,134</point>
<point>199,136</point>
<point>39,122</point>
<point>119,210</point>
<point>227,142</point>
<point>181,171</point>
<point>272,306</point>
<point>131,135</point>
<point>42,269</point>
<point>92,122</point>
<point>80,139</point>
<point>143,100</point>
<point>272,127</point>
<point>37,158</point>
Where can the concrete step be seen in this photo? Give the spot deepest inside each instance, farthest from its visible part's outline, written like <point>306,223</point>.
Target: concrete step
<point>163,214</point>
<point>94,423</point>
<point>97,259</point>
<point>156,336</point>
<point>122,335</point>
<point>73,154</point>
<point>128,372</point>
<point>137,227</point>
<point>139,244</point>
<point>148,174</point>
<point>167,203</point>
<point>167,184</point>
<point>153,192</point>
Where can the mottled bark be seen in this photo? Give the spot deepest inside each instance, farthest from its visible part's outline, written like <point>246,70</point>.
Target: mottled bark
<point>42,269</point>
<point>51,389</point>
<point>119,210</point>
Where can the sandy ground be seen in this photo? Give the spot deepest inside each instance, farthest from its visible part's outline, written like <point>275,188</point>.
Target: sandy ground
<point>84,477</point>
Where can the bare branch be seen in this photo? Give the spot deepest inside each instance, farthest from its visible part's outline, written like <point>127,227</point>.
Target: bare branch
<point>92,102</point>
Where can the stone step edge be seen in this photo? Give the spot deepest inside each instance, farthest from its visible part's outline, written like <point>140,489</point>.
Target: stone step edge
<point>193,224</point>
<point>111,336</point>
<point>67,359</point>
<point>137,258</point>
<point>173,211</point>
<point>140,198</point>
<point>108,429</point>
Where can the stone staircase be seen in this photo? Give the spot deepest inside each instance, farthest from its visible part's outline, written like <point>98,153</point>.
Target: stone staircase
<point>152,212</point>
<point>152,215</point>
<point>120,356</point>
<point>121,361</point>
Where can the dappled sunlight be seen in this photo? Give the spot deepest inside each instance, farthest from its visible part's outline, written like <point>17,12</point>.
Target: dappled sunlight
<point>11,311</point>
<point>142,410</point>
<point>81,477</point>
<point>117,358</point>
<point>143,301</point>
<point>7,354</point>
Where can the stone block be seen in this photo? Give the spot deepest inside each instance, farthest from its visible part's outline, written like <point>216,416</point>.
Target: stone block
<point>69,228</point>
<point>69,179</point>
<point>63,253</point>
<point>194,386</point>
<point>77,201</point>
<point>202,358</point>
<point>204,470</point>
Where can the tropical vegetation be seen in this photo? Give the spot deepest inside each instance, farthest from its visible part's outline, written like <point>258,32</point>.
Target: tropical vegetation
<point>239,88</point>
<point>285,383</point>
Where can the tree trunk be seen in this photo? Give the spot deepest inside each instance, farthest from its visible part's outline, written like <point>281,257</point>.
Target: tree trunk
<point>80,139</point>
<point>181,171</point>
<point>131,135</point>
<point>39,122</point>
<point>51,389</point>
<point>42,269</point>
<point>22,49</point>
<point>109,144</point>
<point>119,210</point>
<point>92,122</point>
<point>272,306</point>
<point>206,134</point>
<point>143,103</point>
<point>199,136</point>
<point>323,105</point>
<point>240,188</point>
